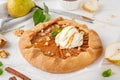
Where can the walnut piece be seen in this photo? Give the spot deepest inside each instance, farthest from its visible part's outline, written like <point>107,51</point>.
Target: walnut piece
<point>18,32</point>
<point>3,53</point>
<point>3,41</point>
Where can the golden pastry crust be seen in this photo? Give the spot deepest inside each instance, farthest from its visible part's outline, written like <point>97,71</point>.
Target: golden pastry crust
<point>57,64</point>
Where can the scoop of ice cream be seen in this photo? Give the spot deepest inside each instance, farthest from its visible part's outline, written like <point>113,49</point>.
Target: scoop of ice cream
<point>69,37</point>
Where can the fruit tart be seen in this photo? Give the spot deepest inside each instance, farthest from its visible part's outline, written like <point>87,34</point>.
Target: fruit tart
<point>60,46</point>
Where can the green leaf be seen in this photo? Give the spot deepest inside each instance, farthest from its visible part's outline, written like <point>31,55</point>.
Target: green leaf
<point>1,71</point>
<point>56,31</point>
<point>1,63</point>
<point>46,9</point>
<point>41,15</point>
<point>38,16</point>
<point>47,17</point>
<point>107,73</point>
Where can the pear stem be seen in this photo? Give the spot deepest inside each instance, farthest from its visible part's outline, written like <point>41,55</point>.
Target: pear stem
<point>36,6</point>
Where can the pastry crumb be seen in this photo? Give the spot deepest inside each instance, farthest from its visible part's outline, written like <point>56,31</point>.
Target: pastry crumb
<point>18,32</point>
<point>3,41</point>
<point>73,19</point>
<point>3,53</point>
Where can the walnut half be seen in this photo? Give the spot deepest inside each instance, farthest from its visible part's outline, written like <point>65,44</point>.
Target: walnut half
<point>3,41</point>
<point>3,53</point>
<point>18,32</point>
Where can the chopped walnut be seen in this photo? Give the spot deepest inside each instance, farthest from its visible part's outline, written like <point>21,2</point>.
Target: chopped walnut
<point>3,53</point>
<point>52,54</point>
<point>46,43</point>
<point>42,34</point>
<point>40,40</point>
<point>47,38</point>
<point>48,30</point>
<point>35,43</point>
<point>68,54</point>
<point>47,53</point>
<point>42,30</point>
<point>18,32</point>
<point>3,41</point>
<point>79,48</point>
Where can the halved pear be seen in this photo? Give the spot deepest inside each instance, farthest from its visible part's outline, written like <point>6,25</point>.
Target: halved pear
<point>112,53</point>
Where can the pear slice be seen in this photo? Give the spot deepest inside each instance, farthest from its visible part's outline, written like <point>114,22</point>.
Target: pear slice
<point>91,6</point>
<point>112,53</point>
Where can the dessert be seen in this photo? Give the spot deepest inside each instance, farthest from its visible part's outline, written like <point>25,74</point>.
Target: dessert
<point>72,47</point>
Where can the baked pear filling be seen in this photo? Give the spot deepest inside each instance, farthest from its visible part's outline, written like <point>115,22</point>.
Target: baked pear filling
<point>69,42</point>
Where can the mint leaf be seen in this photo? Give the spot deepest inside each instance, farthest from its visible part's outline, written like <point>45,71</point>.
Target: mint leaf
<point>41,15</point>
<point>46,9</point>
<point>1,63</point>
<point>1,71</point>
<point>107,73</point>
<point>38,16</point>
<point>56,31</point>
<point>47,17</point>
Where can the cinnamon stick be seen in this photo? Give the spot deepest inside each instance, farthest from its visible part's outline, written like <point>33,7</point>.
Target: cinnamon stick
<point>12,78</point>
<point>13,71</point>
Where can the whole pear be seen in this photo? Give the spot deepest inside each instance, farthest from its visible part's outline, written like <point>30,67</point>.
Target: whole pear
<point>19,8</point>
